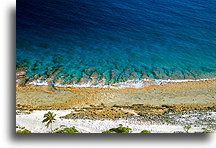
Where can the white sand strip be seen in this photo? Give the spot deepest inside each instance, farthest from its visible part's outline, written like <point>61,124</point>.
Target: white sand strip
<point>33,122</point>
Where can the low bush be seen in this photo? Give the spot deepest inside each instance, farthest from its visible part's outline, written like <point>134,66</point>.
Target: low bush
<point>205,130</point>
<point>145,131</point>
<point>119,129</point>
<point>67,130</point>
<point>24,131</point>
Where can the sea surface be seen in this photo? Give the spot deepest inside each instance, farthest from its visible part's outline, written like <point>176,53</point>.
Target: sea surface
<point>116,40</point>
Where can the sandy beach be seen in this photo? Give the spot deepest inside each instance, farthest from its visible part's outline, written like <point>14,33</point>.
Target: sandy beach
<point>196,92</point>
<point>33,123</point>
<point>159,108</point>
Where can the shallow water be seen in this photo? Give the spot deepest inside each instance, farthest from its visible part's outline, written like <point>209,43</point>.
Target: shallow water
<point>116,40</point>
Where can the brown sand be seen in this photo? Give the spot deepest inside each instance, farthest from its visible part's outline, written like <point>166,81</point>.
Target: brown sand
<point>197,92</point>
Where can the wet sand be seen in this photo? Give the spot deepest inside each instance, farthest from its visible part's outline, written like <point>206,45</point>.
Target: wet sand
<point>196,92</point>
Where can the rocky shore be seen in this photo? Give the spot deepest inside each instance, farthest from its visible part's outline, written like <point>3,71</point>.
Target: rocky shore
<point>160,108</point>
<point>197,92</point>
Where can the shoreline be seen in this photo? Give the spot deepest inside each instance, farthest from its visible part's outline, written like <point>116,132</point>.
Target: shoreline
<point>32,122</point>
<point>194,92</point>
<point>23,80</point>
<point>159,108</point>
<point>120,85</point>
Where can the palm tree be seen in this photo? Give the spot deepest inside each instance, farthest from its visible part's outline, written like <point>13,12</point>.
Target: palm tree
<point>49,118</point>
<point>186,128</point>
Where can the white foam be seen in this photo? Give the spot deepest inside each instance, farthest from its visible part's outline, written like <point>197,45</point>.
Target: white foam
<point>39,82</point>
<point>128,84</point>
<point>161,81</point>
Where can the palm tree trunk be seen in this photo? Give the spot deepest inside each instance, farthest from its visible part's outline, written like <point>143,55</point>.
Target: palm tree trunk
<point>51,127</point>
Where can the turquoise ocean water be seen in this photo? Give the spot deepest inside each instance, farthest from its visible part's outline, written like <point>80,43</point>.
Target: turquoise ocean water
<point>116,40</point>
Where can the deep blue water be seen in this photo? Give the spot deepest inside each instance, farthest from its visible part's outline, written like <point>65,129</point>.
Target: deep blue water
<point>117,39</point>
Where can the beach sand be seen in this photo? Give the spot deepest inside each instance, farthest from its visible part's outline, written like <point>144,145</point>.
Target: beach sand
<point>196,92</point>
<point>159,108</point>
<point>33,123</point>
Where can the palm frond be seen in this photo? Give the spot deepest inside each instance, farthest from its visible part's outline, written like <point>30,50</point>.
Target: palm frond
<point>49,118</point>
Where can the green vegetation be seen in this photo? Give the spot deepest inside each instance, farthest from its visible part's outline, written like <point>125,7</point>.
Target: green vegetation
<point>145,131</point>
<point>119,129</point>
<point>187,128</point>
<point>205,130</point>
<point>67,130</point>
<point>108,131</point>
<point>49,119</point>
<point>24,131</point>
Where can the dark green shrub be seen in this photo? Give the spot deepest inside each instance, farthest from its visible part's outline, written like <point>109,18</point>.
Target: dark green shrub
<point>119,129</point>
<point>145,131</point>
<point>67,130</point>
<point>205,130</point>
<point>24,131</point>
<point>108,131</point>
